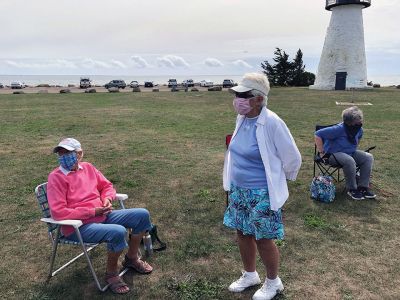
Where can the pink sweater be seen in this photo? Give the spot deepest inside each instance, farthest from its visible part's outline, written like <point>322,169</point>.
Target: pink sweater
<point>75,195</point>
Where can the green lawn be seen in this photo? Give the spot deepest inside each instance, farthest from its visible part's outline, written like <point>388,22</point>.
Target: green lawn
<point>166,151</point>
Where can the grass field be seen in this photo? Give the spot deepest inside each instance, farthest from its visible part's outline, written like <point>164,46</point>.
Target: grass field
<point>166,151</point>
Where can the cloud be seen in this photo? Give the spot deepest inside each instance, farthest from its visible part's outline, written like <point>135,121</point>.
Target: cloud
<point>242,64</point>
<point>118,64</point>
<point>92,64</point>
<point>57,63</point>
<point>139,62</point>
<point>213,62</point>
<point>171,61</point>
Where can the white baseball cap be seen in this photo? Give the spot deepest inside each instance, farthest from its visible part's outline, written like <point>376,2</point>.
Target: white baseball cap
<point>252,81</point>
<point>69,144</point>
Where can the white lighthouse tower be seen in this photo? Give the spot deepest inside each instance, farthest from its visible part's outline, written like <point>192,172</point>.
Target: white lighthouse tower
<point>343,64</point>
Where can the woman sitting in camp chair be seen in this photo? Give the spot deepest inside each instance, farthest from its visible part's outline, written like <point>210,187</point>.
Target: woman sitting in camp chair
<point>77,190</point>
<point>338,144</point>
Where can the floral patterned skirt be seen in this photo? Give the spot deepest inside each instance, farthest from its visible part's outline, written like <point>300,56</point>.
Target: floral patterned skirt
<point>249,211</point>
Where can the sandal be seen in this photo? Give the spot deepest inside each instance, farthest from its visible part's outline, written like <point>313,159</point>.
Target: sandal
<point>139,265</point>
<point>116,283</point>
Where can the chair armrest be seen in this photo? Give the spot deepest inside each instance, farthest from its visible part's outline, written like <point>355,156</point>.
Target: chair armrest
<point>75,223</point>
<point>370,148</point>
<point>121,197</point>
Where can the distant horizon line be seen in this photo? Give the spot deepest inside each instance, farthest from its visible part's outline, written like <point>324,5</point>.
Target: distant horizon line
<point>119,75</point>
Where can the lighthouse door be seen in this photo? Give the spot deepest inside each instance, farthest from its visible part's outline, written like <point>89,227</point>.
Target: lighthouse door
<point>340,80</point>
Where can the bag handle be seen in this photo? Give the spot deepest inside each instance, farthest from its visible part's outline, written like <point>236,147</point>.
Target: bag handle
<point>162,247</point>
<point>154,235</point>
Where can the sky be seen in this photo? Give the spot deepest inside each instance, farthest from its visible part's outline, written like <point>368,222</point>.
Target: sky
<point>175,37</point>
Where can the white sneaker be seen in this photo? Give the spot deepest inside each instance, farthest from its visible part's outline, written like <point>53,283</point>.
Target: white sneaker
<point>268,292</point>
<point>244,282</point>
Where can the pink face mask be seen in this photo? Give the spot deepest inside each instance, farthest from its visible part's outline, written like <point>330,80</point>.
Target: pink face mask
<point>242,105</point>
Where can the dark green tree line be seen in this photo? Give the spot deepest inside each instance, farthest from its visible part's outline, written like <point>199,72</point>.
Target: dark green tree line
<point>287,73</point>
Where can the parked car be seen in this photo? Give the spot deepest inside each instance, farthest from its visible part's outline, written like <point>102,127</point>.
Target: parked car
<point>228,83</point>
<point>188,82</point>
<point>85,83</point>
<point>172,82</point>
<point>116,83</point>
<point>17,85</point>
<point>148,84</point>
<point>206,83</point>
<point>134,84</point>
<point>1,85</point>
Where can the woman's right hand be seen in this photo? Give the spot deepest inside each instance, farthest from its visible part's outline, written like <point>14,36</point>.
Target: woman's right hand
<point>101,211</point>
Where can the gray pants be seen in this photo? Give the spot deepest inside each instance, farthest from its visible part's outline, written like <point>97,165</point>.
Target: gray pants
<point>362,159</point>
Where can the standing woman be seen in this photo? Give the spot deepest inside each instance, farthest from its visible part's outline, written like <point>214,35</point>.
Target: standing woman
<point>262,155</point>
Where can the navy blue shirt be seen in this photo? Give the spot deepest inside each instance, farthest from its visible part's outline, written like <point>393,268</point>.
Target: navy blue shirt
<point>335,139</point>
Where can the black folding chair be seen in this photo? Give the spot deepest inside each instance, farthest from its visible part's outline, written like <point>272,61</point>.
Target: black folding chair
<point>323,165</point>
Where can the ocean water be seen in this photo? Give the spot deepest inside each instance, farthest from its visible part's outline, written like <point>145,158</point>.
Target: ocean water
<point>65,80</point>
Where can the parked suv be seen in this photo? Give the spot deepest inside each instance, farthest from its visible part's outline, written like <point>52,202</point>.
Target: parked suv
<point>172,82</point>
<point>188,82</point>
<point>1,85</point>
<point>85,83</point>
<point>116,83</point>
<point>17,85</point>
<point>148,84</point>
<point>228,83</point>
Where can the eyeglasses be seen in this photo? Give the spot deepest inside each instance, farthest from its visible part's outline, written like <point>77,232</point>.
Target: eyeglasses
<point>62,152</point>
<point>245,95</point>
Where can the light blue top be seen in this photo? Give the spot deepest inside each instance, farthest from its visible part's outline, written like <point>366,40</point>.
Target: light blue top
<point>247,166</point>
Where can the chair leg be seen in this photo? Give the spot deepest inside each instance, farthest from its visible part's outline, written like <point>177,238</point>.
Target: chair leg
<point>89,261</point>
<point>102,289</point>
<point>53,254</point>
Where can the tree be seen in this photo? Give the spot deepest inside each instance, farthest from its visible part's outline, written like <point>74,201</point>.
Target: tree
<point>298,69</point>
<point>285,72</point>
<point>270,72</point>
<point>278,74</point>
<point>307,79</point>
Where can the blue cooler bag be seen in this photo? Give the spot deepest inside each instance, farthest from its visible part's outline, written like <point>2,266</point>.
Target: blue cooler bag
<point>323,189</point>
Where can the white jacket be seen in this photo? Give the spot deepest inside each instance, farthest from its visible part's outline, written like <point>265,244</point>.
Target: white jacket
<point>279,153</point>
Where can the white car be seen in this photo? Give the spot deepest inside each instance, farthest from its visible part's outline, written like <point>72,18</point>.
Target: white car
<point>206,83</point>
<point>17,85</point>
<point>134,84</point>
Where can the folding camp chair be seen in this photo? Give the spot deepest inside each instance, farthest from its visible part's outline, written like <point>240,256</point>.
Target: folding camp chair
<point>56,237</point>
<point>227,142</point>
<point>323,165</point>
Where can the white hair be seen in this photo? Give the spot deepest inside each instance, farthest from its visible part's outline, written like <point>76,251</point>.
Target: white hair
<point>258,93</point>
<point>260,82</point>
<point>352,114</point>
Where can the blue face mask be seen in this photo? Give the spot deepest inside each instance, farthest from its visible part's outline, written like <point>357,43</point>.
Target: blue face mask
<point>68,160</point>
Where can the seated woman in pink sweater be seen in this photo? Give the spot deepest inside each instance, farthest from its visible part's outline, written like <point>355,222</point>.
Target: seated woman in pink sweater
<point>77,190</point>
